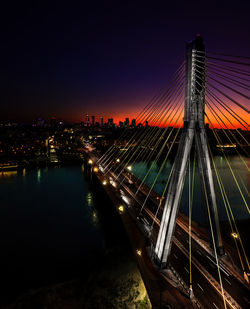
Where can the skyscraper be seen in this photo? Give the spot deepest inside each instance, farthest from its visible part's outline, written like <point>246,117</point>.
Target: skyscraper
<point>101,121</point>
<point>133,123</point>
<point>87,121</point>
<point>126,122</point>
<point>110,122</point>
<point>93,120</point>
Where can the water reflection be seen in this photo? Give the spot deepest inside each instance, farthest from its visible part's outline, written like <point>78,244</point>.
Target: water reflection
<point>8,174</point>
<point>233,190</point>
<point>89,199</point>
<point>95,218</point>
<point>39,175</point>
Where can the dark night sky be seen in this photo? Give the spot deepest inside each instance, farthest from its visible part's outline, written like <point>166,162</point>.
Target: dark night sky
<point>103,58</point>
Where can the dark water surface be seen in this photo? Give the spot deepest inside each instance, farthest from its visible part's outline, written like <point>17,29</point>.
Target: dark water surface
<point>54,226</point>
<point>240,168</point>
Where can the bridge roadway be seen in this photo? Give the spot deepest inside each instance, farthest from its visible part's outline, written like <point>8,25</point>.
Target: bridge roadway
<point>204,268</point>
<point>203,263</point>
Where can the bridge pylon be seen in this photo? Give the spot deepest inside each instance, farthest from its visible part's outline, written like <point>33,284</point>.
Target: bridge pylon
<point>193,133</point>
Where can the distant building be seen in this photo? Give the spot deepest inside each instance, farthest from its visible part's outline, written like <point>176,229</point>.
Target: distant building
<point>53,121</point>
<point>87,123</point>
<point>146,123</point>
<point>101,121</point>
<point>133,123</point>
<point>110,122</point>
<point>126,122</point>
<point>120,124</point>
<point>93,121</point>
<point>40,122</point>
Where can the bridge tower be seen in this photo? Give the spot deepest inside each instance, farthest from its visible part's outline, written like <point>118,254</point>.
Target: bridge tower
<point>193,132</point>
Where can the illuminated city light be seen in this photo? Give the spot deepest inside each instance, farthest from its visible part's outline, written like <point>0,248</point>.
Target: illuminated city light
<point>227,146</point>
<point>95,169</point>
<point>118,160</point>
<point>104,182</point>
<point>90,161</point>
<point>129,168</point>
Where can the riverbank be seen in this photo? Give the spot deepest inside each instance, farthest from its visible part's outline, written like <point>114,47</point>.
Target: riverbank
<point>116,284</point>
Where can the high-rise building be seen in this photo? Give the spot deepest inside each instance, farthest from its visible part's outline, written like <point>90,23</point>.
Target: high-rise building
<point>101,121</point>
<point>40,122</point>
<point>93,120</point>
<point>120,124</point>
<point>110,122</point>
<point>126,122</point>
<point>53,121</point>
<point>146,123</point>
<point>133,123</point>
<point>87,123</point>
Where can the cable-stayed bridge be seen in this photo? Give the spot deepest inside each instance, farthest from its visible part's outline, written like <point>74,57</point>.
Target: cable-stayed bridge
<point>203,109</point>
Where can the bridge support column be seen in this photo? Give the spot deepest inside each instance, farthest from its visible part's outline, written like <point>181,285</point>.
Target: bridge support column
<point>193,129</point>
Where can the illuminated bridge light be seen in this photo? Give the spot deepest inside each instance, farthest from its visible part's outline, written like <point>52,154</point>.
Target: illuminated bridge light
<point>235,235</point>
<point>129,168</point>
<point>118,160</point>
<point>138,252</point>
<point>121,208</point>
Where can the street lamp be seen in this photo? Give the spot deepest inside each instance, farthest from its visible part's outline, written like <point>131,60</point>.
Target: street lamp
<point>235,235</point>
<point>121,208</point>
<point>138,251</point>
<point>129,168</point>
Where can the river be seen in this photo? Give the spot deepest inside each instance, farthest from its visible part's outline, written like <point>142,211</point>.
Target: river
<point>54,226</point>
<point>240,168</point>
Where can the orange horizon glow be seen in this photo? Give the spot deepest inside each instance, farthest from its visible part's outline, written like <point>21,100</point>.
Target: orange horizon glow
<point>134,109</point>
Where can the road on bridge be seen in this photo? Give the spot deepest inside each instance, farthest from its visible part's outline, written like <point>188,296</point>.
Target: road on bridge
<point>205,277</point>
